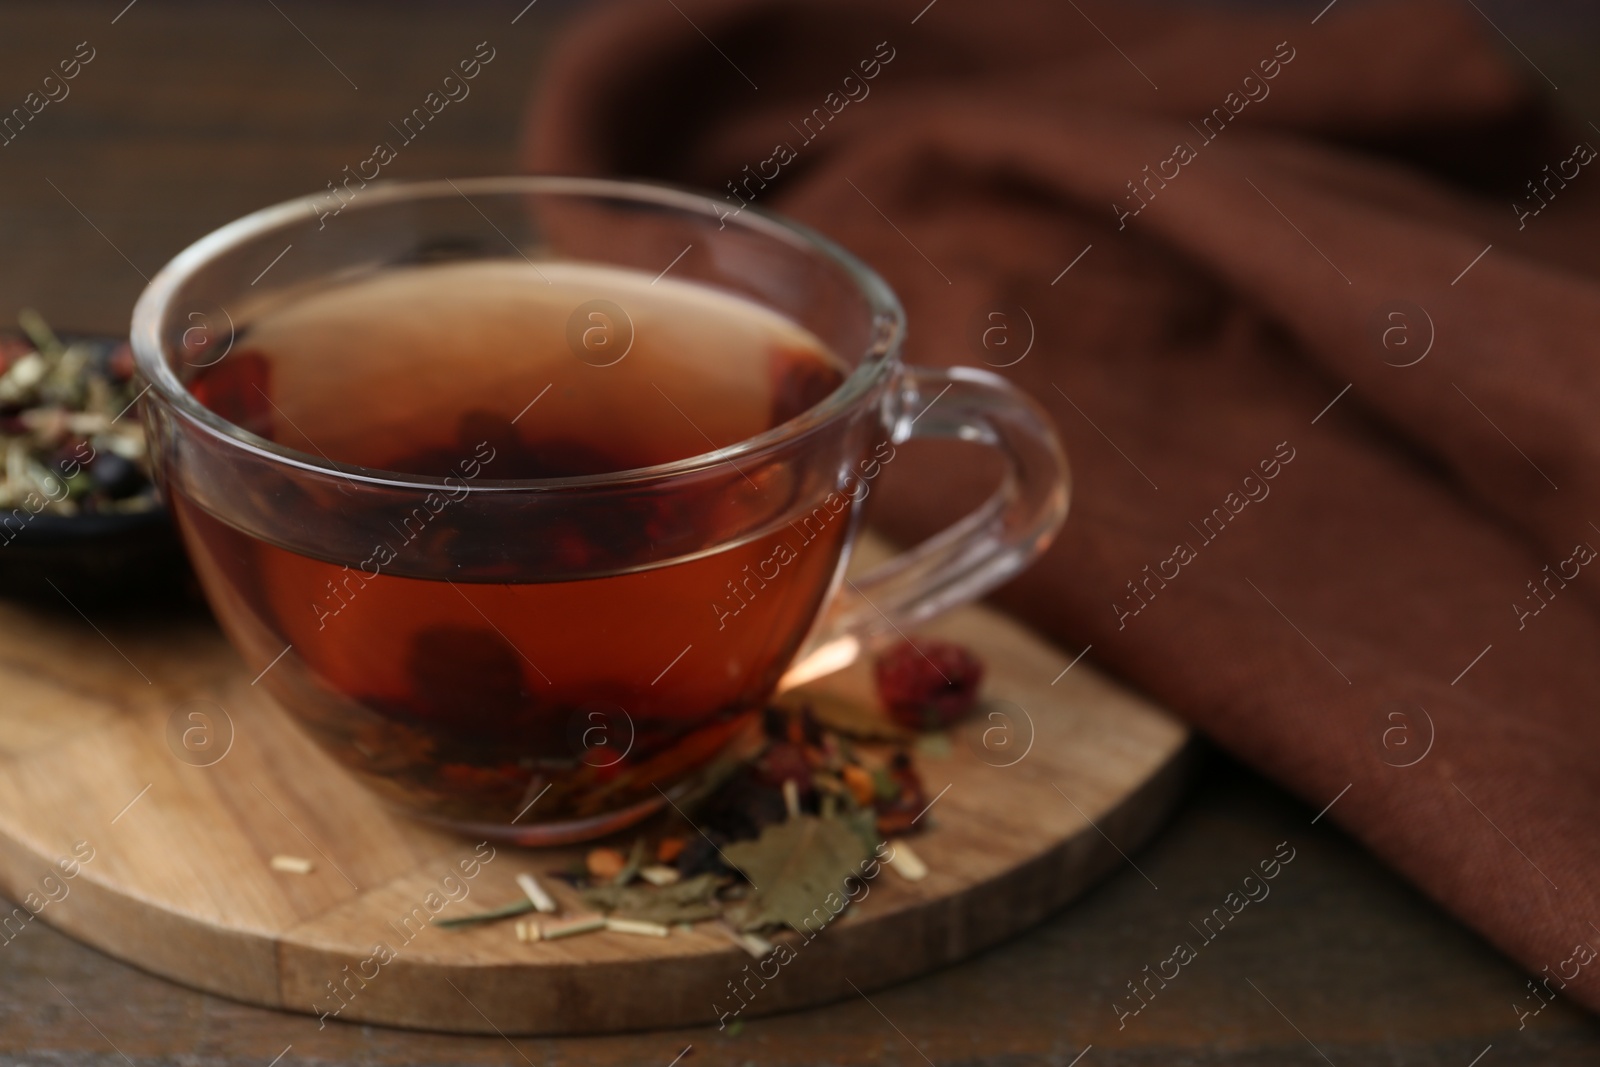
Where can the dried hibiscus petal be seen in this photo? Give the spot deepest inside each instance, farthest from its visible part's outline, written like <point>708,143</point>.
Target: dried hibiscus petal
<point>928,685</point>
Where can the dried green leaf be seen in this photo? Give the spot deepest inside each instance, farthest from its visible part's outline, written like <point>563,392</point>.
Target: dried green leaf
<point>630,869</point>
<point>794,867</point>
<point>863,822</point>
<point>687,901</point>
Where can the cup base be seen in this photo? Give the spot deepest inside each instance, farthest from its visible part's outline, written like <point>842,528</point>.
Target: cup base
<point>544,835</point>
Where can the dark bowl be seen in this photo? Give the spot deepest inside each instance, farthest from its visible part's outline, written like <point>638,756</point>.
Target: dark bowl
<point>100,559</point>
<point>94,559</point>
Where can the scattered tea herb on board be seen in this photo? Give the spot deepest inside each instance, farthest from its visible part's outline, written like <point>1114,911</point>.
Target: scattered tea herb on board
<point>68,443</point>
<point>781,823</point>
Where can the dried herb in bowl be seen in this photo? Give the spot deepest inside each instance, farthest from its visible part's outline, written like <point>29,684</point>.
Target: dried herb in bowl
<point>71,444</point>
<point>79,513</point>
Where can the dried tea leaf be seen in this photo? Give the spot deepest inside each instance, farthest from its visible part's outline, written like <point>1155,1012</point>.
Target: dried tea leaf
<point>863,822</point>
<point>635,860</point>
<point>795,866</point>
<point>845,716</point>
<point>505,911</point>
<point>687,901</point>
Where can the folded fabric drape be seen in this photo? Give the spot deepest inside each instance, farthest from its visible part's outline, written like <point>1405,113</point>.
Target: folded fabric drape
<point>1313,302</point>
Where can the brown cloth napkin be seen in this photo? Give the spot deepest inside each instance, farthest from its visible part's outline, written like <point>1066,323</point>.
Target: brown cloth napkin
<point>1326,377</point>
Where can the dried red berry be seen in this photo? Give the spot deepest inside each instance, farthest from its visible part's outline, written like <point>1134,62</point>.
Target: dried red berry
<point>785,762</point>
<point>929,685</point>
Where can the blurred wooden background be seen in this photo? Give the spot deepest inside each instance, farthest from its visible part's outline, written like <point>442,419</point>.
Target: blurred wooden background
<point>192,114</point>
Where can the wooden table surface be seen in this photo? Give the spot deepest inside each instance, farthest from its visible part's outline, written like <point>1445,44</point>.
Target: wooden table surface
<point>190,115</point>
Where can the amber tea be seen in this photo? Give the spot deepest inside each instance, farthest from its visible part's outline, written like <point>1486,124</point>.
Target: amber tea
<point>471,697</point>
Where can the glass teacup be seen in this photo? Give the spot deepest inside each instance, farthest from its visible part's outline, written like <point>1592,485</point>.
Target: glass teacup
<point>524,494</point>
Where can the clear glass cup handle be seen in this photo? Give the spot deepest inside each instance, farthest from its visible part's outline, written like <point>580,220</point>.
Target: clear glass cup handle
<point>985,548</point>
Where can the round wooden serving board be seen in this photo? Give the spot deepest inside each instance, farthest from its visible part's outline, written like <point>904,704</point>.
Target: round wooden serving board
<point>180,884</point>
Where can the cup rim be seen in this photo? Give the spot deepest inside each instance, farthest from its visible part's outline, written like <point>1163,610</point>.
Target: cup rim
<point>876,362</point>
